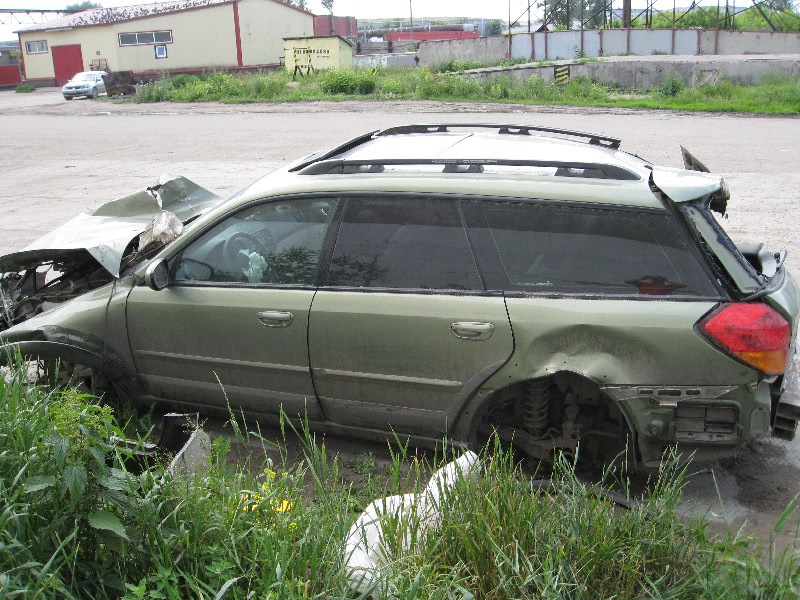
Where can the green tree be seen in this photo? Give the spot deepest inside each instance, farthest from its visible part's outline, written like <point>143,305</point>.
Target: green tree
<point>562,13</point>
<point>748,20</point>
<point>79,6</point>
<point>594,14</point>
<point>494,27</point>
<point>777,13</point>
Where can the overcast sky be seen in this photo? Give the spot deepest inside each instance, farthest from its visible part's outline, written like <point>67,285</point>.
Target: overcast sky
<point>364,9</point>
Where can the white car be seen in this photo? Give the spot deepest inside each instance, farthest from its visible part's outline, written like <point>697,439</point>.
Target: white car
<point>87,83</point>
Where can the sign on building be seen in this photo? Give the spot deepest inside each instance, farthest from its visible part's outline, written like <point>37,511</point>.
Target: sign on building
<point>306,54</point>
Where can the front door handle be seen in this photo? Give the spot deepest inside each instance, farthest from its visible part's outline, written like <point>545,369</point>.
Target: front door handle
<point>469,330</point>
<point>275,318</point>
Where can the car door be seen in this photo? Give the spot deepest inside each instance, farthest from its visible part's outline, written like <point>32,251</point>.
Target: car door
<point>402,333</point>
<point>232,325</point>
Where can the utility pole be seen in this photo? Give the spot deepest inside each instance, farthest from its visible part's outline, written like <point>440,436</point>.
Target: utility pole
<point>509,29</point>
<point>411,29</point>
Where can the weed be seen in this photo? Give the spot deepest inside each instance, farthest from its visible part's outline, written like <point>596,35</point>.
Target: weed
<point>25,88</point>
<point>75,524</point>
<point>346,81</point>
<point>775,95</point>
<point>671,86</point>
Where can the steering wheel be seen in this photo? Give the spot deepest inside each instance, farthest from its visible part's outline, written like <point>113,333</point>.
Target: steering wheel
<point>231,250</point>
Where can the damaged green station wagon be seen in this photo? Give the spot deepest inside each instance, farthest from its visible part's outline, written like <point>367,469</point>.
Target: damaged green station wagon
<point>430,281</point>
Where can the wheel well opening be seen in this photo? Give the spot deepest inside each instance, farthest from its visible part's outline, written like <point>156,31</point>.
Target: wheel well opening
<point>561,412</point>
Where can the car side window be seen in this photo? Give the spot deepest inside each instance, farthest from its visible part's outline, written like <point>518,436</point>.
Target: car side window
<point>276,242</point>
<point>543,247</point>
<point>403,243</point>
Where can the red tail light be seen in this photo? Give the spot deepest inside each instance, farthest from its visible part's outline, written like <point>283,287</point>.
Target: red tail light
<point>754,333</point>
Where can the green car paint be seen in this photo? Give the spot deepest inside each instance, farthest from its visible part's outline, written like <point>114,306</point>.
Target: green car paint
<point>548,358</point>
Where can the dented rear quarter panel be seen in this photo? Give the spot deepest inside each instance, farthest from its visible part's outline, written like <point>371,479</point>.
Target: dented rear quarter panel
<point>618,342</point>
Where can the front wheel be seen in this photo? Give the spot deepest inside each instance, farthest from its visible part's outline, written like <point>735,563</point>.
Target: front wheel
<point>67,97</point>
<point>95,93</point>
<point>64,374</point>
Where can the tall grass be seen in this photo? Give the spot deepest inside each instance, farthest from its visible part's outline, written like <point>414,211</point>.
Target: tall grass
<point>74,523</point>
<point>776,94</point>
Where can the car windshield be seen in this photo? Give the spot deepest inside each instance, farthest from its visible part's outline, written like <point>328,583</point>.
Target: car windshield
<point>84,77</point>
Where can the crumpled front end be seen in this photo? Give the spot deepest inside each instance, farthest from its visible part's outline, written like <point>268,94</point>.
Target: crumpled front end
<point>96,246</point>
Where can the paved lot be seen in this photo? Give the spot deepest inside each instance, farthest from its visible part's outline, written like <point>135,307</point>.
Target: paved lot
<point>60,158</point>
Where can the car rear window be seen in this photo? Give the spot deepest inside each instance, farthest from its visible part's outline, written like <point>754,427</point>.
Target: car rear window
<point>544,247</point>
<point>403,243</point>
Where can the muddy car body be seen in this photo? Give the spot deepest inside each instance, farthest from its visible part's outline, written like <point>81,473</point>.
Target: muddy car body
<point>451,280</point>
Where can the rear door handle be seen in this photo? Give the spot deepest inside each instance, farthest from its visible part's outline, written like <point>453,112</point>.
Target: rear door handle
<point>275,318</point>
<point>469,330</point>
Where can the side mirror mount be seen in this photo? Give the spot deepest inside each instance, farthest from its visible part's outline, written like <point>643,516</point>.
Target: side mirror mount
<point>157,275</point>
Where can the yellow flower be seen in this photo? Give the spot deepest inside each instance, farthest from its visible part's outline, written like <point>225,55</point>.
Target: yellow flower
<point>282,506</point>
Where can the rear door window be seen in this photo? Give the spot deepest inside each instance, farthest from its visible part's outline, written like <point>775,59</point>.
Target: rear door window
<point>540,247</point>
<point>403,243</point>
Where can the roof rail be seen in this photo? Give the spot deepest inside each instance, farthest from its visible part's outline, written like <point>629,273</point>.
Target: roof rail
<point>593,139</point>
<point>457,165</point>
<point>349,144</point>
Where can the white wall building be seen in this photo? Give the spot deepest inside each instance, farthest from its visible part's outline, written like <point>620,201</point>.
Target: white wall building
<point>173,36</point>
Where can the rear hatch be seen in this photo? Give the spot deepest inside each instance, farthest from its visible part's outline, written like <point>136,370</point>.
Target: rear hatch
<point>749,272</point>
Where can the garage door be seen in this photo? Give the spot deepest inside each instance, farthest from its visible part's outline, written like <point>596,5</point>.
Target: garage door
<point>67,60</point>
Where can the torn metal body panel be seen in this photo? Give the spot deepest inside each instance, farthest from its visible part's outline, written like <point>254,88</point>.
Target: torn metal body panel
<point>93,248</point>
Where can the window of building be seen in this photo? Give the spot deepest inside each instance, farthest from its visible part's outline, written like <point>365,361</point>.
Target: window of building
<point>161,51</point>
<point>143,38</point>
<point>36,47</point>
<point>403,243</point>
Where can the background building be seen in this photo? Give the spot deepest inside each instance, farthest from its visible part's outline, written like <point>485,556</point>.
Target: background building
<point>306,54</point>
<point>180,36</point>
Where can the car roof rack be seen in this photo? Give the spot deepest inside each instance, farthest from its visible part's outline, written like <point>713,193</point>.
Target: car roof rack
<point>472,165</point>
<point>348,145</point>
<point>593,139</point>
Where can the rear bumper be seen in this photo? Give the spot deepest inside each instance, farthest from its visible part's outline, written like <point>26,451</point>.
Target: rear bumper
<point>785,396</point>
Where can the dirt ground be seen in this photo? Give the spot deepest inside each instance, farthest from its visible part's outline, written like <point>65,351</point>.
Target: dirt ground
<point>59,158</point>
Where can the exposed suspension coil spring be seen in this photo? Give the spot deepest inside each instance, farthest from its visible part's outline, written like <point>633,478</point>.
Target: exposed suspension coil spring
<point>537,400</point>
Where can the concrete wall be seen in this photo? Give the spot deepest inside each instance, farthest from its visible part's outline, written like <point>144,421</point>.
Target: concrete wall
<point>485,49</point>
<point>562,45</point>
<point>650,71</point>
<point>749,42</point>
<point>370,61</point>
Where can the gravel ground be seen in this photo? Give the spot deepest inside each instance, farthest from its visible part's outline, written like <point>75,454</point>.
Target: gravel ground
<point>60,158</point>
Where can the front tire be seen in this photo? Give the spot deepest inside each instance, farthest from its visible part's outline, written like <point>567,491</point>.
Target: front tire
<point>64,374</point>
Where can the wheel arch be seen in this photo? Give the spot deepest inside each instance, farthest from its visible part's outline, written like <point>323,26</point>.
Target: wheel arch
<point>485,400</point>
<point>50,350</point>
